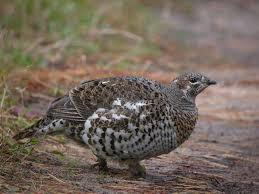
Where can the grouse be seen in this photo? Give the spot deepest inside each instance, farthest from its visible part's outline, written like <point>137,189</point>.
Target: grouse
<point>127,119</point>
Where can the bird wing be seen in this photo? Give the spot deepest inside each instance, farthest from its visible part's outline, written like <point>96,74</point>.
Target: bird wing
<point>102,93</point>
<point>123,115</point>
<point>63,108</point>
<point>89,96</point>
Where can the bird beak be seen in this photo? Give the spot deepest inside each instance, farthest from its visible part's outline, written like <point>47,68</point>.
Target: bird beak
<point>211,82</point>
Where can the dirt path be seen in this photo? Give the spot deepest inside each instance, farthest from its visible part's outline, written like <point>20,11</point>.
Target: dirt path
<point>221,156</point>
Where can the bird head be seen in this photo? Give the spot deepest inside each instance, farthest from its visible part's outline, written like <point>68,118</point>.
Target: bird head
<point>192,84</point>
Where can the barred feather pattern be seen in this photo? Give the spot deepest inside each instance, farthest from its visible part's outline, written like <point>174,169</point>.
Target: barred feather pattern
<point>125,118</point>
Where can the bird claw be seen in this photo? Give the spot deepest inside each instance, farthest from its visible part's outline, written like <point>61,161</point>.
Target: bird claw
<point>101,165</point>
<point>137,170</point>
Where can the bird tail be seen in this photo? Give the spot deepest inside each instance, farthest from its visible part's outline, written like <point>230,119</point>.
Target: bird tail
<point>41,127</point>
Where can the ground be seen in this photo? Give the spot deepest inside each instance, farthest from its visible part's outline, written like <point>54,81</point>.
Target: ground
<point>221,155</point>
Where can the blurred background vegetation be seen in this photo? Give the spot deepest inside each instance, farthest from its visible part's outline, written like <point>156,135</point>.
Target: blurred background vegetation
<point>46,32</point>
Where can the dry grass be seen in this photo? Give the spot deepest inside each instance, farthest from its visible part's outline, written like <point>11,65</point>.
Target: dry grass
<point>23,163</point>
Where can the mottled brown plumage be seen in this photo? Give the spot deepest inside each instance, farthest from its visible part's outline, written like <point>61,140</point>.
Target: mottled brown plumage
<point>126,118</point>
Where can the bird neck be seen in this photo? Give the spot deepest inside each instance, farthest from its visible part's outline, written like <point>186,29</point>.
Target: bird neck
<point>179,100</point>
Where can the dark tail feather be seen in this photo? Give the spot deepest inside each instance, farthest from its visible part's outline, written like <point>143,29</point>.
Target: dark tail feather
<point>30,131</point>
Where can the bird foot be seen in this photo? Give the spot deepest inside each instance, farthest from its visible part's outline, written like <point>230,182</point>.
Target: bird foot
<point>137,170</point>
<point>101,165</point>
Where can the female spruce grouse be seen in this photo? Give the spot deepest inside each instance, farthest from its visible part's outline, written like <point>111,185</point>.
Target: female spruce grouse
<point>126,118</point>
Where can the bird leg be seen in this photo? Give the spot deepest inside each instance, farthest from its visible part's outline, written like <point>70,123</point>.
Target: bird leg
<point>101,164</point>
<point>136,169</point>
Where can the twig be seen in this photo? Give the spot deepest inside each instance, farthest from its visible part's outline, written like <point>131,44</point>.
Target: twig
<point>5,90</point>
<point>3,99</point>
<point>21,91</point>
<point>42,96</point>
<point>61,44</point>
<point>109,31</point>
<point>57,179</point>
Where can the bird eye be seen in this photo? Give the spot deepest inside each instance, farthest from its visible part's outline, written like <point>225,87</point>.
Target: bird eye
<point>193,80</point>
